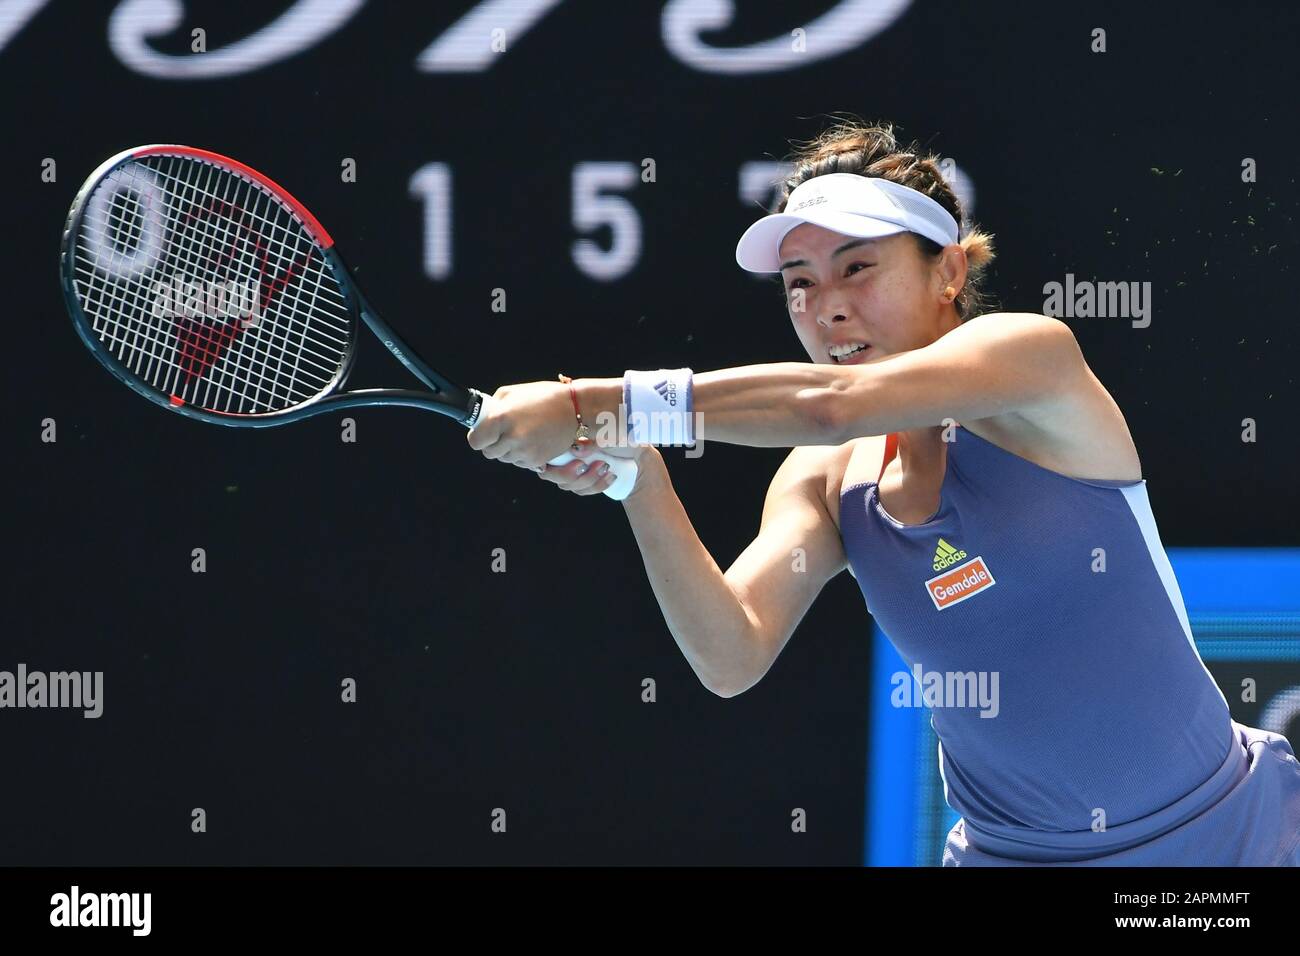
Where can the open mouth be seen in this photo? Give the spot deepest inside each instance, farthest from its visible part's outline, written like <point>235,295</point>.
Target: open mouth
<point>847,354</point>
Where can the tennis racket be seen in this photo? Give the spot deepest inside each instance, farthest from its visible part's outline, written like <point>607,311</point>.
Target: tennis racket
<point>209,290</point>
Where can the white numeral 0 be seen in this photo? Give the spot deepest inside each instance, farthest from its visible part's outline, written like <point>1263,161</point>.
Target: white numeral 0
<point>116,255</point>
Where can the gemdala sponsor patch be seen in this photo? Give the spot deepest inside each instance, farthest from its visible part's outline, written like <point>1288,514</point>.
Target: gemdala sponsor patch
<point>959,583</point>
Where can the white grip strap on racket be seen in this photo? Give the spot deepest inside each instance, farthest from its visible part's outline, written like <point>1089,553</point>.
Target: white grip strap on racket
<point>660,406</point>
<point>624,469</point>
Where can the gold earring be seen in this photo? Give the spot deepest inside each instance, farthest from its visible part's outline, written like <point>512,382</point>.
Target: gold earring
<point>950,293</point>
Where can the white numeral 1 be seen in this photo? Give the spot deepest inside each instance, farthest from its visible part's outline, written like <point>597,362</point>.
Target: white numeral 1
<point>431,184</point>
<point>592,210</point>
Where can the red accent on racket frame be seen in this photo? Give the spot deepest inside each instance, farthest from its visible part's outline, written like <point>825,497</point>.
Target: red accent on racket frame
<point>312,223</point>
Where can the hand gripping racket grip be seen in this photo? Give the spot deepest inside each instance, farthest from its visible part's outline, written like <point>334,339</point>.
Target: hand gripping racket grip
<point>624,469</point>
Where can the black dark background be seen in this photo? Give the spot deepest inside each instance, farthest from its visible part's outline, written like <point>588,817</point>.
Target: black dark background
<point>373,560</point>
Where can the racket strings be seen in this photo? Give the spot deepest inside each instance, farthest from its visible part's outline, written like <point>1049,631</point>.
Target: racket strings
<point>201,343</point>
<point>209,219</point>
<point>205,286</point>
<point>196,337</point>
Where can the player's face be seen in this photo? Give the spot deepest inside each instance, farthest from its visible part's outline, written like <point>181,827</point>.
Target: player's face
<point>883,294</point>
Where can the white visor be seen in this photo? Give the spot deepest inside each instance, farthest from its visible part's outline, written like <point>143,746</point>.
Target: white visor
<point>865,207</point>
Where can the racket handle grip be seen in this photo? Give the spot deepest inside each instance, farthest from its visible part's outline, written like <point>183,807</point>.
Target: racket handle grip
<point>624,469</point>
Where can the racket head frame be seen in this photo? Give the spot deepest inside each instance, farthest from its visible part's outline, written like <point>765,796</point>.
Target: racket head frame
<point>446,398</point>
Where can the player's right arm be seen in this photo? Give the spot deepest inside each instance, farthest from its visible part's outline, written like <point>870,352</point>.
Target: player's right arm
<point>731,626</point>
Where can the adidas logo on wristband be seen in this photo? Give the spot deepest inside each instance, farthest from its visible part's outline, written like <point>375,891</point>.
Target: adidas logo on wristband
<point>659,406</point>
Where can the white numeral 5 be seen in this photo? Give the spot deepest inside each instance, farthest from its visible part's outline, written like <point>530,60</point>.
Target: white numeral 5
<point>591,210</point>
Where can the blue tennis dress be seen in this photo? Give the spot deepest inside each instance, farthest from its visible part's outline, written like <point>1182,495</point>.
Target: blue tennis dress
<point>1110,743</point>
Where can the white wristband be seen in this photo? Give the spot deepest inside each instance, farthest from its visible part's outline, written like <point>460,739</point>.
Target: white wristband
<point>660,406</point>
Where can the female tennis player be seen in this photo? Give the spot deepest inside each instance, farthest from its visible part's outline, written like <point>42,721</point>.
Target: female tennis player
<point>983,488</point>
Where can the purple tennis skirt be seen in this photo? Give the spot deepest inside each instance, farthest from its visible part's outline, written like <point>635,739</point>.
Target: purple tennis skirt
<point>1251,817</point>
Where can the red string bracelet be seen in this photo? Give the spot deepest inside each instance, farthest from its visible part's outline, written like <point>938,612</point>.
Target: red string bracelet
<point>583,430</point>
